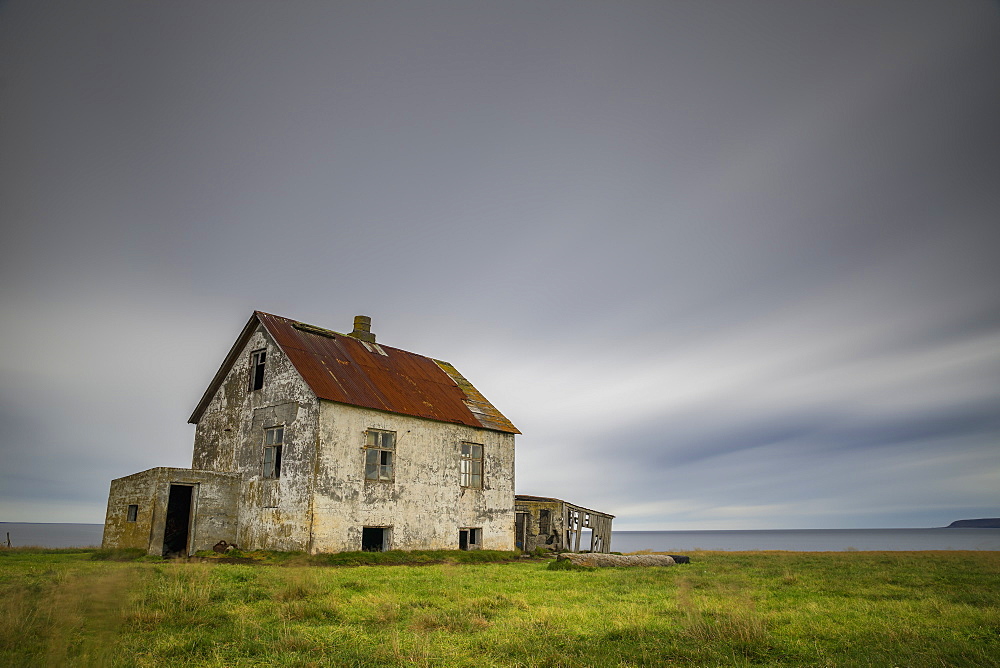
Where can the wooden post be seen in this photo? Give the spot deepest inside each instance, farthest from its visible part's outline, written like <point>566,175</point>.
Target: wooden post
<point>579,530</point>
<point>564,539</point>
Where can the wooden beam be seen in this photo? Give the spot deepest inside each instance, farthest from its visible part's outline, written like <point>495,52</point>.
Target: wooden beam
<point>579,530</point>
<point>564,539</point>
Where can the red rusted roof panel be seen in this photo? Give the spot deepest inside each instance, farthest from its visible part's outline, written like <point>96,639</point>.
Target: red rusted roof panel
<point>340,368</point>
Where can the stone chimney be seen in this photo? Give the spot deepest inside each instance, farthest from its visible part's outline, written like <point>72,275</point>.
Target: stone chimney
<point>363,329</point>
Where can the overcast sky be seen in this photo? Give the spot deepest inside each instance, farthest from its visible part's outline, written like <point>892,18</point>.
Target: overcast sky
<point>726,264</point>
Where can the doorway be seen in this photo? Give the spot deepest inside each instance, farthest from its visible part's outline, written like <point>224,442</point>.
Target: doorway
<point>175,533</point>
<point>520,530</point>
<point>374,539</point>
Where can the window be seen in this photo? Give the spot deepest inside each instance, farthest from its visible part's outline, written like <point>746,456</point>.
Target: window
<point>133,512</point>
<point>273,440</point>
<point>468,539</point>
<point>544,521</point>
<point>257,359</point>
<point>472,465</point>
<point>379,446</point>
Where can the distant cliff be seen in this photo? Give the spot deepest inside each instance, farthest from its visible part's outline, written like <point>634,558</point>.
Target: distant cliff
<point>985,523</point>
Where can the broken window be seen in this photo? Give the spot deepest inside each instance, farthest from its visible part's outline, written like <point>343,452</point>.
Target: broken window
<point>468,539</point>
<point>471,467</point>
<point>274,438</point>
<point>257,359</point>
<point>379,447</point>
<point>133,512</point>
<point>544,521</point>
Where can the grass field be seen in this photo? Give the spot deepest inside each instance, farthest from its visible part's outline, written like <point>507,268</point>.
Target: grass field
<point>724,609</point>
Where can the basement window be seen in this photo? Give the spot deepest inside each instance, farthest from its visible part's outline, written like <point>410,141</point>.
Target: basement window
<point>257,359</point>
<point>469,539</point>
<point>379,449</point>
<point>375,539</point>
<point>274,438</point>
<point>133,513</point>
<point>471,467</point>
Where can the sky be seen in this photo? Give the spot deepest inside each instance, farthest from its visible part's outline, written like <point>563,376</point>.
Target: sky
<point>725,264</point>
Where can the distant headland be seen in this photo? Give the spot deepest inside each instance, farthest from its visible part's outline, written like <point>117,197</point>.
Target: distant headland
<point>985,523</point>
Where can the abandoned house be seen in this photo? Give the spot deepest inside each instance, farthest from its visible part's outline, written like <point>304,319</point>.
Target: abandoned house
<point>309,439</point>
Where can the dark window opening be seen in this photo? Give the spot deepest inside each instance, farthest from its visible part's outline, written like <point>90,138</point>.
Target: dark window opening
<point>379,447</point>
<point>471,468</point>
<point>133,513</point>
<point>374,539</point>
<point>544,522</point>
<point>257,359</point>
<point>468,539</point>
<point>274,438</point>
<point>175,534</point>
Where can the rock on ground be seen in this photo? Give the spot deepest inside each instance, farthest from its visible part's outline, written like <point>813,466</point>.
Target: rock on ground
<point>594,559</point>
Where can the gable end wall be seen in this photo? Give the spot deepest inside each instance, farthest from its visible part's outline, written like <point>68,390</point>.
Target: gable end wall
<point>273,513</point>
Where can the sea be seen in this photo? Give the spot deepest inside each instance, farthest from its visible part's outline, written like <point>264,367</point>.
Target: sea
<point>807,540</point>
<point>25,534</point>
<point>795,540</point>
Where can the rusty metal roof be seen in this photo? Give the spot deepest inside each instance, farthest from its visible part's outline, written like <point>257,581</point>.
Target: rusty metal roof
<point>340,368</point>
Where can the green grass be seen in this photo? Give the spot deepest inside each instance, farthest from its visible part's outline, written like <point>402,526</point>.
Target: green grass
<point>725,609</point>
<point>389,558</point>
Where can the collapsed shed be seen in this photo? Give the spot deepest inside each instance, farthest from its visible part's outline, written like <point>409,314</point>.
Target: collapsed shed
<point>554,524</point>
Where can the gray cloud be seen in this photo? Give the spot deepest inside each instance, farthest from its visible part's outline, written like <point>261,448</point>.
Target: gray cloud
<point>723,264</point>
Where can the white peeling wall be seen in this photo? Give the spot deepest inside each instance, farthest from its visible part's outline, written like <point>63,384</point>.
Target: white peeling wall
<point>424,504</point>
<point>273,513</point>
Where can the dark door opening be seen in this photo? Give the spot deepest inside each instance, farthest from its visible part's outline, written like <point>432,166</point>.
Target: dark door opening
<point>520,529</point>
<point>175,535</point>
<point>374,539</point>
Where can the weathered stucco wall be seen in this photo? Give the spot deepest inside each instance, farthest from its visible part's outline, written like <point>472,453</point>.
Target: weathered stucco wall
<point>213,508</point>
<point>424,504</point>
<point>273,513</point>
<point>138,489</point>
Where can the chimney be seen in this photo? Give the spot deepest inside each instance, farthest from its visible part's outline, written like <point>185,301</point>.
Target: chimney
<point>363,329</point>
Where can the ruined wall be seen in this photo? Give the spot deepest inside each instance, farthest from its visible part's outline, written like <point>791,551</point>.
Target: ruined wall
<point>424,504</point>
<point>213,514</point>
<point>273,513</point>
<point>535,536</point>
